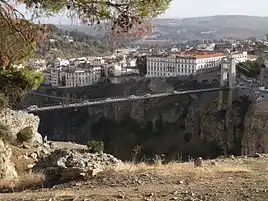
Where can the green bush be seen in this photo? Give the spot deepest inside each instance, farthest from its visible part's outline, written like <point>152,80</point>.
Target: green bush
<point>25,135</point>
<point>95,146</point>
<point>5,134</point>
<point>16,83</point>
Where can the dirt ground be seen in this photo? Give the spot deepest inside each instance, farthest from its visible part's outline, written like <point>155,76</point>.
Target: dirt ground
<point>223,179</point>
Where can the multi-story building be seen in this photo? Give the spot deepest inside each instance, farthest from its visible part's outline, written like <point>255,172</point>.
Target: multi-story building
<point>185,63</point>
<point>72,77</point>
<point>239,57</point>
<point>79,77</point>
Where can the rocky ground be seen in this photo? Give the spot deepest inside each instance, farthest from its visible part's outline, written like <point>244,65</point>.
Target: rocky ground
<point>226,179</point>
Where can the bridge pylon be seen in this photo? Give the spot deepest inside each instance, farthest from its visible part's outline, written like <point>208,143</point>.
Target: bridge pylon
<point>228,79</point>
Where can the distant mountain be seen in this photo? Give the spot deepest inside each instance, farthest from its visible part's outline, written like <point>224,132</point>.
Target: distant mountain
<point>214,27</point>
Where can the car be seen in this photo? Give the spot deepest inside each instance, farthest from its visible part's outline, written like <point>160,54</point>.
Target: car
<point>132,97</point>
<point>85,102</point>
<point>33,107</point>
<point>147,95</point>
<point>108,99</point>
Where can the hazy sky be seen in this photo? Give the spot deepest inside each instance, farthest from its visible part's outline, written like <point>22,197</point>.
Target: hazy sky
<point>197,8</point>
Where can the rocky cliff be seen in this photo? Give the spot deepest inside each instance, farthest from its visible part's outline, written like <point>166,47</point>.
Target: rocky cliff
<point>177,126</point>
<point>255,138</point>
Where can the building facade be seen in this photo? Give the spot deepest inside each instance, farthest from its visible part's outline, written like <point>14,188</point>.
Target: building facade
<point>72,77</point>
<point>240,57</point>
<point>181,65</point>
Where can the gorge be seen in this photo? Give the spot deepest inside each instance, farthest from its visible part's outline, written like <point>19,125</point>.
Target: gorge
<point>177,126</point>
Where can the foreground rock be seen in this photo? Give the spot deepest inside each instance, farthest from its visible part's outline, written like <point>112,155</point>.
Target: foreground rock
<point>15,121</point>
<point>66,165</point>
<point>7,169</point>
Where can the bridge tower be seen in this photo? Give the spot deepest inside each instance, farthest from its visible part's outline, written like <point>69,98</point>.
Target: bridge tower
<point>228,79</point>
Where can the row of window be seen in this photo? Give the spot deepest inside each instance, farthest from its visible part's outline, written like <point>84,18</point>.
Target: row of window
<point>191,61</point>
<point>162,74</point>
<point>160,68</point>
<point>180,70</point>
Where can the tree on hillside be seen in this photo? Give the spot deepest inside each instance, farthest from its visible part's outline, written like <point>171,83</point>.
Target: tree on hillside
<point>141,63</point>
<point>19,37</point>
<point>249,68</point>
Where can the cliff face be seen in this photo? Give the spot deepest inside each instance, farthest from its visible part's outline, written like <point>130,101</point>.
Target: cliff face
<point>255,137</point>
<point>177,126</point>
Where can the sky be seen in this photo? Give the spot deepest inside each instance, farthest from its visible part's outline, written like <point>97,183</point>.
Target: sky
<point>196,8</point>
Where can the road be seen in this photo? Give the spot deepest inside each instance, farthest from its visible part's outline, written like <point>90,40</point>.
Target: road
<point>242,83</point>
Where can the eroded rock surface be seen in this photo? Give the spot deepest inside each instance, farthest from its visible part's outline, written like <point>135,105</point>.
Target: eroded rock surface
<point>15,121</point>
<point>65,165</point>
<point>7,169</point>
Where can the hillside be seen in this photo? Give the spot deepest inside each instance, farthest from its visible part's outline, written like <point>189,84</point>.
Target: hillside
<point>214,27</point>
<point>72,43</point>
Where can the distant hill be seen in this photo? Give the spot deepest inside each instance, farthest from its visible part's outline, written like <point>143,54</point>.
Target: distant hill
<point>214,27</point>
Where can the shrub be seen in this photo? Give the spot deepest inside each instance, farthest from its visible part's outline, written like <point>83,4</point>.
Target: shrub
<point>25,135</point>
<point>95,146</point>
<point>16,83</point>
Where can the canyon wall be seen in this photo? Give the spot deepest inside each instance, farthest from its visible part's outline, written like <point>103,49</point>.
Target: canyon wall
<point>176,126</point>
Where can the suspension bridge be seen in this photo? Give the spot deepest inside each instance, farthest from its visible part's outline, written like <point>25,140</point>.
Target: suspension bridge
<point>117,99</point>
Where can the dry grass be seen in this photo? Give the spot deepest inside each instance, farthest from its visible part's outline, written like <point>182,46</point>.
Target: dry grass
<point>26,181</point>
<point>184,169</point>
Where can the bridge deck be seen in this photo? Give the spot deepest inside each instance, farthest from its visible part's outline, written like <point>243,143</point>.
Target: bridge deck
<point>121,99</point>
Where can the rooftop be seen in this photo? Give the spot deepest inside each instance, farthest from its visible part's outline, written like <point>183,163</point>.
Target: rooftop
<point>194,54</point>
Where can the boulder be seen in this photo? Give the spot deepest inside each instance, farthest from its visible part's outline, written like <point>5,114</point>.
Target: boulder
<point>7,168</point>
<point>15,121</point>
<point>198,162</point>
<point>64,165</point>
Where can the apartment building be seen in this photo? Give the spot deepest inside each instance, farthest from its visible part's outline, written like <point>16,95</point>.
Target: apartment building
<point>72,77</point>
<point>79,77</point>
<point>239,56</point>
<point>181,64</point>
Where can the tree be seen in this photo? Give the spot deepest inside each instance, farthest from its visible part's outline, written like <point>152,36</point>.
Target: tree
<point>141,63</point>
<point>127,17</point>
<point>249,68</point>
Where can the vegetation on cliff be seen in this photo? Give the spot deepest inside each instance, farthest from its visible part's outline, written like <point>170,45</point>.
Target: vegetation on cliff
<point>249,68</point>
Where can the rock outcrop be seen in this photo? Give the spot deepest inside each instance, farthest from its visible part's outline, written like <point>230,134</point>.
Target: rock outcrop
<point>15,121</point>
<point>66,165</point>
<point>7,169</point>
<point>255,138</point>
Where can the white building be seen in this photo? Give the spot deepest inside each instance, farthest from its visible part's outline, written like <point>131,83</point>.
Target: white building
<point>239,56</point>
<point>72,77</point>
<point>183,64</point>
<point>78,78</point>
<point>61,62</point>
